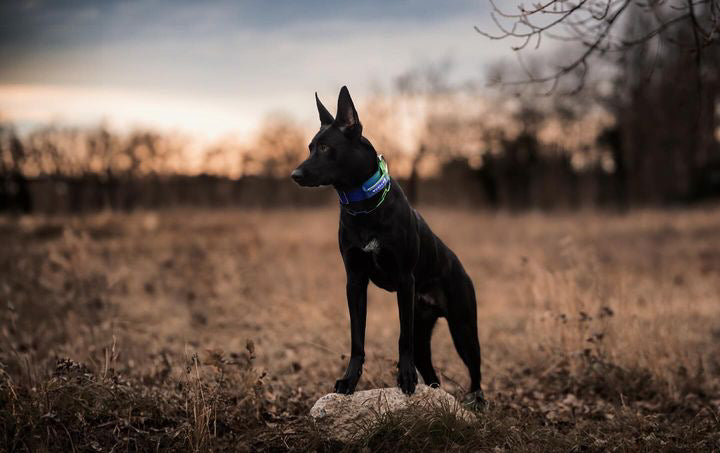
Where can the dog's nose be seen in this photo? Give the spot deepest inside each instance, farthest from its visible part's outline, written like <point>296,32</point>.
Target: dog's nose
<point>297,174</point>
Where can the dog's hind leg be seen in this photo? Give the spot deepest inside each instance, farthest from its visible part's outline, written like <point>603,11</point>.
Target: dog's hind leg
<point>424,322</point>
<point>462,321</point>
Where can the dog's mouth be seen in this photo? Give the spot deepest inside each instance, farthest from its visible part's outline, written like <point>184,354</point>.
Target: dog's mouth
<point>308,184</point>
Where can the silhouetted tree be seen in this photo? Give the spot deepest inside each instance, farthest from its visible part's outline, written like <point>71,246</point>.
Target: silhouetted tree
<point>446,122</point>
<point>665,113</point>
<point>14,190</point>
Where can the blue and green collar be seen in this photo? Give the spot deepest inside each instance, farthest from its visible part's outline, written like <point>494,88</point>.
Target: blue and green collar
<point>379,181</point>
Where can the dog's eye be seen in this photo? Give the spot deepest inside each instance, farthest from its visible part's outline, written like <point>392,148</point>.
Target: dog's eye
<point>323,148</point>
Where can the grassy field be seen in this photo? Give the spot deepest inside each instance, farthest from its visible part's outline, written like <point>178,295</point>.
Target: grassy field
<point>207,330</point>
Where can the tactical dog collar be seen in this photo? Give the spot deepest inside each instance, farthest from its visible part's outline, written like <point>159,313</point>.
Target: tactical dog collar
<point>380,180</point>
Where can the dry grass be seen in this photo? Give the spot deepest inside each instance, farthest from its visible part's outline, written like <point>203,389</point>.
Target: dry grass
<point>202,330</point>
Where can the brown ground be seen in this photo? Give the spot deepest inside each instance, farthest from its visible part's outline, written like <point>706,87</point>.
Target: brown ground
<point>206,330</point>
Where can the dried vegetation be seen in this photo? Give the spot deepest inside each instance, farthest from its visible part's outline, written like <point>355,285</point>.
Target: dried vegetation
<point>202,330</point>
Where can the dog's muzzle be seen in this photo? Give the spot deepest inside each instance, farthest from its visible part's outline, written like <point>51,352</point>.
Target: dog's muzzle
<point>303,178</point>
<point>297,175</point>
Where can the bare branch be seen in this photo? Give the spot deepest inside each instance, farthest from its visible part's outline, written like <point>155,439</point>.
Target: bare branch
<point>590,23</point>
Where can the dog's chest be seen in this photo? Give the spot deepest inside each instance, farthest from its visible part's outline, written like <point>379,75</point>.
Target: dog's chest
<point>366,240</point>
<point>371,246</point>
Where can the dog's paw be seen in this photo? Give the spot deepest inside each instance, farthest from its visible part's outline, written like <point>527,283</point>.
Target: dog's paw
<point>475,401</point>
<point>407,377</point>
<point>346,386</point>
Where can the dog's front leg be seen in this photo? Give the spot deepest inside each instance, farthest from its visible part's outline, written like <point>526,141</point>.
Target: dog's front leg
<point>407,376</point>
<point>357,305</point>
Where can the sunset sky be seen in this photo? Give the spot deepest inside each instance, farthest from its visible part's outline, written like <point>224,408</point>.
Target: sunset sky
<point>218,67</point>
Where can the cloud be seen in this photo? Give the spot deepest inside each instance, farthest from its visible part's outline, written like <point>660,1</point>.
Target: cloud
<point>32,105</point>
<point>223,63</point>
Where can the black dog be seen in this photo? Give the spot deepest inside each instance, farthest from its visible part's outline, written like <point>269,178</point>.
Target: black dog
<point>384,240</point>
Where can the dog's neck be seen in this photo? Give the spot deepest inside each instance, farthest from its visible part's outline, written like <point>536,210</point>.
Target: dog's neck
<point>364,170</point>
<point>369,195</point>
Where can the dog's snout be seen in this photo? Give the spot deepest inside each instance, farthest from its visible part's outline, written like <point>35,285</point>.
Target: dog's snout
<point>297,175</point>
<point>305,177</point>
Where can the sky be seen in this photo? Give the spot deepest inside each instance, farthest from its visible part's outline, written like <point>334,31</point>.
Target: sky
<point>214,68</point>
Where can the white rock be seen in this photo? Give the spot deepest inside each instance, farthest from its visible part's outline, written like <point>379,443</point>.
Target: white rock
<point>342,417</point>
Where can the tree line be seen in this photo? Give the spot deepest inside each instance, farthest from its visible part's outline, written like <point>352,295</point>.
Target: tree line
<point>633,122</point>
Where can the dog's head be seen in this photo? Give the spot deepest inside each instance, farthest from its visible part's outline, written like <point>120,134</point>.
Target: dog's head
<point>339,154</point>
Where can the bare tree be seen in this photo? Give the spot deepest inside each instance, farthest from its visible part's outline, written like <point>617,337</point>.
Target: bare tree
<point>14,190</point>
<point>282,142</point>
<point>447,122</point>
<point>595,24</point>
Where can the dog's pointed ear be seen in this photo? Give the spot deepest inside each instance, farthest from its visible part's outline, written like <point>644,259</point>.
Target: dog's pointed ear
<point>325,116</point>
<point>347,118</point>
